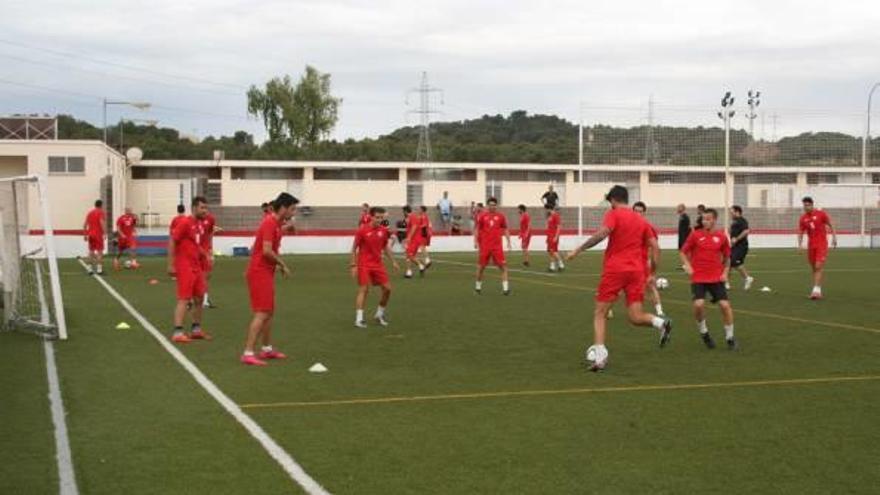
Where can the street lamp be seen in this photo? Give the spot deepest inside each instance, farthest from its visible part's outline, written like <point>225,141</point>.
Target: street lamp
<point>753,101</point>
<point>123,120</point>
<point>725,114</point>
<point>140,105</point>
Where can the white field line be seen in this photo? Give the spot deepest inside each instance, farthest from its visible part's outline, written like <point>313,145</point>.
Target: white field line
<point>66,475</point>
<point>290,466</point>
<point>511,270</point>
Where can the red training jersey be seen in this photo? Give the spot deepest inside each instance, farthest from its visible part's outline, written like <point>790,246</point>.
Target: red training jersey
<point>627,241</point>
<point>370,242</point>
<point>187,235</point>
<point>814,225</point>
<point>491,227</point>
<point>654,235</point>
<point>426,229</point>
<point>707,251</point>
<point>269,231</point>
<point>554,221</point>
<point>366,219</point>
<point>174,221</point>
<point>208,222</point>
<point>95,222</point>
<point>525,225</point>
<point>126,225</point>
<point>413,223</point>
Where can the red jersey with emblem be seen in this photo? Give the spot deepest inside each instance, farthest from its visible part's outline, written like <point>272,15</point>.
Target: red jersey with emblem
<point>525,225</point>
<point>413,223</point>
<point>366,219</point>
<point>491,227</point>
<point>553,223</point>
<point>627,242</point>
<point>126,225</point>
<point>208,223</point>
<point>269,231</point>
<point>370,242</point>
<point>95,222</point>
<point>707,251</point>
<point>814,225</point>
<point>187,235</point>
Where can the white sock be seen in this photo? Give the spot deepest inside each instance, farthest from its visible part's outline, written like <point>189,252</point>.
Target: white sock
<point>561,264</point>
<point>380,312</point>
<point>817,289</point>
<point>702,327</point>
<point>479,285</point>
<point>505,285</point>
<point>359,316</point>
<point>657,322</point>
<point>728,331</point>
<point>248,353</point>
<point>658,308</point>
<point>421,266</point>
<point>552,265</point>
<point>267,348</point>
<point>408,272</point>
<point>427,259</point>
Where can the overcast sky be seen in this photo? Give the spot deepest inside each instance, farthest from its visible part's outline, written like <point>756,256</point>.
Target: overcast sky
<point>194,59</point>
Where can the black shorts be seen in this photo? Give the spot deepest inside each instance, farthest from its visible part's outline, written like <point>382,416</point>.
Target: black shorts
<point>738,255</point>
<point>717,290</point>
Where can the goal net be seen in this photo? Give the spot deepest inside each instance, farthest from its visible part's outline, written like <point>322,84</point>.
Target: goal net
<point>28,267</point>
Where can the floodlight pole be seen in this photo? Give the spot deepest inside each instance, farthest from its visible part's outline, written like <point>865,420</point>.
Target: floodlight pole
<point>581,174</point>
<point>140,105</point>
<point>863,226</point>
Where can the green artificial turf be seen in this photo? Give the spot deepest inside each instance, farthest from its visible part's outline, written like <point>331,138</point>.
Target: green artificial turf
<point>466,393</point>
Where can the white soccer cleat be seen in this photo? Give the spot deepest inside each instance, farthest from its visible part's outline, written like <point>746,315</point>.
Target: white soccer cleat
<point>727,285</point>
<point>360,324</point>
<point>749,282</point>
<point>597,357</point>
<point>380,320</point>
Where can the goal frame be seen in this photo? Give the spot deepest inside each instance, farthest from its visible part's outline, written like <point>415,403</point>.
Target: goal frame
<point>48,235</point>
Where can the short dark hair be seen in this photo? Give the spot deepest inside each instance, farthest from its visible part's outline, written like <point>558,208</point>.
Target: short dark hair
<point>619,194</point>
<point>807,199</point>
<point>98,203</point>
<point>376,209</point>
<point>701,207</point>
<point>479,205</point>
<point>264,206</point>
<point>711,211</point>
<point>199,200</point>
<point>640,204</point>
<point>423,208</point>
<point>492,199</point>
<point>521,207</point>
<point>737,208</point>
<point>181,209</point>
<point>284,200</point>
<point>407,209</point>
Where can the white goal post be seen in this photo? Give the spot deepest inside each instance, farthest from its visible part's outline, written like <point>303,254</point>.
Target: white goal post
<point>29,273</point>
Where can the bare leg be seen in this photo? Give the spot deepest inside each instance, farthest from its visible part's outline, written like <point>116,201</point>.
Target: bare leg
<point>599,322</point>
<point>386,295</point>
<point>700,310</point>
<point>637,316</point>
<point>726,312</point>
<point>180,312</point>
<point>266,331</point>
<point>197,309</point>
<point>360,299</point>
<point>254,329</point>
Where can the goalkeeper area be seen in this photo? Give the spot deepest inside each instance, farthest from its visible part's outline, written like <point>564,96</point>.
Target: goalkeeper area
<point>461,393</point>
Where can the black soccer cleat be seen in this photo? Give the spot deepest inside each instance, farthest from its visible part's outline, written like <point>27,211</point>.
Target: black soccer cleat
<point>707,339</point>
<point>428,264</point>
<point>732,345</point>
<point>666,333</point>
<point>478,291</point>
<point>526,264</point>
<point>506,292</point>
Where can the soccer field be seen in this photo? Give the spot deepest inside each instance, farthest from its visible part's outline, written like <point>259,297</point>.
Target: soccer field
<point>462,393</point>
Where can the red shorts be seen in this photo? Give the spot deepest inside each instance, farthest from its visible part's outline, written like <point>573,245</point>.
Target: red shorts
<point>495,253</point>
<point>413,247</point>
<point>126,243</point>
<point>261,286</point>
<point>817,254</point>
<point>190,283</point>
<point>208,264</point>
<point>525,241</point>
<point>633,283</point>
<point>372,275</point>
<point>552,244</point>
<point>96,243</point>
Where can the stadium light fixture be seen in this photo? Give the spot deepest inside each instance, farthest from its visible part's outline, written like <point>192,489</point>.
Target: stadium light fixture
<point>140,105</point>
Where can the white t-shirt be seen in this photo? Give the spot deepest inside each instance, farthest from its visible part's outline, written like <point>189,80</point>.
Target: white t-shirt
<point>445,206</point>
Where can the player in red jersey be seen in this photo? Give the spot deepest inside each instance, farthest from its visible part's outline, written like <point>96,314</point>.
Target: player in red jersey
<point>525,232</point>
<point>650,277</point>
<point>623,270</point>
<point>366,218</point>
<point>185,263</point>
<point>370,243</point>
<point>491,225</point>
<point>126,238</point>
<point>427,233</point>
<point>706,258</point>
<point>93,231</point>
<point>816,224</point>
<point>265,261</point>
<point>209,228</point>
<point>414,239</point>
<point>554,230</point>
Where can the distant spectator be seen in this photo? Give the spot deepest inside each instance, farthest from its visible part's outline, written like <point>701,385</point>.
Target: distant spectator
<point>550,198</point>
<point>701,209</point>
<point>684,225</point>
<point>456,225</point>
<point>476,210</point>
<point>445,207</point>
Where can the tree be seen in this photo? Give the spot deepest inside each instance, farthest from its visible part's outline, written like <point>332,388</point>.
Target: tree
<point>304,114</point>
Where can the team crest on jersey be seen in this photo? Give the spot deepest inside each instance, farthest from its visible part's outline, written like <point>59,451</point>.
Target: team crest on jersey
<point>717,240</point>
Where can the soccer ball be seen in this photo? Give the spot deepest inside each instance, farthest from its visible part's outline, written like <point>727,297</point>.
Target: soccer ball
<point>597,355</point>
<point>662,283</point>
<point>127,264</point>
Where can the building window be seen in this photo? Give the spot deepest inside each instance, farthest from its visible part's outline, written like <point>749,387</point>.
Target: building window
<point>686,177</point>
<point>609,177</point>
<point>175,173</point>
<point>357,174</point>
<point>765,178</point>
<point>441,174</point>
<point>525,176</point>
<point>266,173</point>
<point>67,165</point>
<point>815,178</point>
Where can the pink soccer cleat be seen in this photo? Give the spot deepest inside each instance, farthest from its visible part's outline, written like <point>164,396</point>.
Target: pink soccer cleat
<point>273,354</point>
<point>252,360</point>
<point>181,338</point>
<point>200,335</point>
